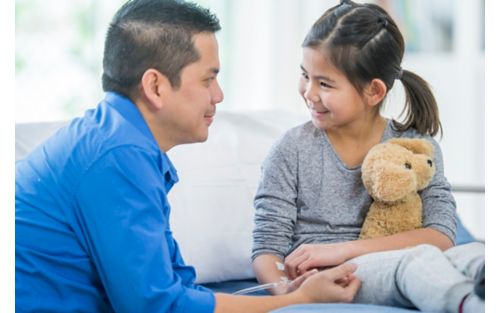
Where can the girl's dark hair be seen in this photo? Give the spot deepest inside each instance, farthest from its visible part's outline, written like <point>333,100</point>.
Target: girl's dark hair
<point>363,41</point>
<point>152,34</point>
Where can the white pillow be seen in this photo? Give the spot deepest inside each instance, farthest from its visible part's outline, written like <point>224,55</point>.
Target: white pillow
<point>212,205</point>
<point>30,135</point>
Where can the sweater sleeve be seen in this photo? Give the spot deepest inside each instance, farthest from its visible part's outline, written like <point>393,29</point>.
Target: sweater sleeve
<point>275,201</point>
<point>438,202</point>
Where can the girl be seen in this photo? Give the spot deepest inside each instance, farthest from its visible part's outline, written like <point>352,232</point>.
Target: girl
<point>311,202</point>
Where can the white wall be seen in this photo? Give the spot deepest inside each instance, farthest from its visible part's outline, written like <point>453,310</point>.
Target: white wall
<point>260,54</point>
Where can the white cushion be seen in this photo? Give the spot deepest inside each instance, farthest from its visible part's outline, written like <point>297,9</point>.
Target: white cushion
<point>29,135</point>
<point>212,205</point>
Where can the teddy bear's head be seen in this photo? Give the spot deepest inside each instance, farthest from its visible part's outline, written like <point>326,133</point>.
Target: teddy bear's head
<point>392,170</point>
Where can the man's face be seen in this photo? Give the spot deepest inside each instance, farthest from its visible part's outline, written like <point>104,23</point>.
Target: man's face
<point>192,105</point>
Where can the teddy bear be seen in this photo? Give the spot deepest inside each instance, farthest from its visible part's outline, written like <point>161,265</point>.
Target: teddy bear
<point>393,172</point>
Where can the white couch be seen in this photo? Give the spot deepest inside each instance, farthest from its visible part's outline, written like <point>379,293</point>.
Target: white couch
<point>212,205</point>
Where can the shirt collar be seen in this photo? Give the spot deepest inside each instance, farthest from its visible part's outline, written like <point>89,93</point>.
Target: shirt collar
<point>170,172</point>
<point>129,111</point>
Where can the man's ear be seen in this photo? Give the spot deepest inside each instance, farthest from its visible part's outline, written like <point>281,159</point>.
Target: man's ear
<point>375,91</point>
<point>154,87</point>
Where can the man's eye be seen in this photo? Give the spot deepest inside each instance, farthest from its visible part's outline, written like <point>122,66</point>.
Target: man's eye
<point>305,75</point>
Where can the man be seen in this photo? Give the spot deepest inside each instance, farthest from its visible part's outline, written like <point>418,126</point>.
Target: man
<point>92,217</point>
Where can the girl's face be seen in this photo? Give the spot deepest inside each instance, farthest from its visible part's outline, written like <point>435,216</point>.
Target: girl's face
<point>330,97</point>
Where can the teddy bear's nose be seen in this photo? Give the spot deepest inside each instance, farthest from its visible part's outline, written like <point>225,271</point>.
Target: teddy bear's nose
<point>429,162</point>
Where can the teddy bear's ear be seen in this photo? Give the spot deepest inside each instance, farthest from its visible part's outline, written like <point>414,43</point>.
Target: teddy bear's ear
<point>418,146</point>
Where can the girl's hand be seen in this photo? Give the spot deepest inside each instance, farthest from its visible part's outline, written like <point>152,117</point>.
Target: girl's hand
<point>309,256</point>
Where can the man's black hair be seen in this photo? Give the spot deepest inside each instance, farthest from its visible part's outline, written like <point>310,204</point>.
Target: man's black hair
<point>155,34</point>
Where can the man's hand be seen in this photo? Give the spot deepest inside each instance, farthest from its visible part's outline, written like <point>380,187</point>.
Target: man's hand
<point>295,284</point>
<point>333,285</point>
<point>309,256</point>
<point>337,284</point>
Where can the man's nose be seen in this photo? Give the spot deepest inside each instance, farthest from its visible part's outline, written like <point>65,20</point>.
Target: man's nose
<point>218,95</point>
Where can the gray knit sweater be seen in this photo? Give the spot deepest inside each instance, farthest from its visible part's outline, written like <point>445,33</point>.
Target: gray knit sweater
<point>308,195</point>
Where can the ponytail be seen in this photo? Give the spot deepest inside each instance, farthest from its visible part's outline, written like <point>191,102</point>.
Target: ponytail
<point>420,106</point>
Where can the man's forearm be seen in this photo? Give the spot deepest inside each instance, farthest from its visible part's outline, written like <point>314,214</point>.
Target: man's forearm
<point>226,303</point>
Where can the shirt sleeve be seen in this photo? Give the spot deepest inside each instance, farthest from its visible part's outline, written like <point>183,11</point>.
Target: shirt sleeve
<point>275,202</point>
<point>120,212</point>
<point>438,202</point>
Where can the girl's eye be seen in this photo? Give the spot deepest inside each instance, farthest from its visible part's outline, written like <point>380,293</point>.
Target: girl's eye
<point>325,85</point>
<point>305,75</point>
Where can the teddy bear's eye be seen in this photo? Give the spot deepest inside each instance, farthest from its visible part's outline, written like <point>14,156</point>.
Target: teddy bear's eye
<point>429,162</point>
<point>408,165</point>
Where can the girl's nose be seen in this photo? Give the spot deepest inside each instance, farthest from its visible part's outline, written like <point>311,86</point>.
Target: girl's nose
<point>310,93</point>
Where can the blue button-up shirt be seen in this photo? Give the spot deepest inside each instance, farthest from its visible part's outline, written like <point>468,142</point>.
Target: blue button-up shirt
<point>92,221</point>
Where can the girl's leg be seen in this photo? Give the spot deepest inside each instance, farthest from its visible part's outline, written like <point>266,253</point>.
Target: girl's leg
<point>432,282</point>
<point>421,276</point>
<point>377,273</point>
<point>468,258</point>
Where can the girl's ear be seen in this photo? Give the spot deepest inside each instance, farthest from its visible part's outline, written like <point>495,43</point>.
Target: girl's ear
<point>375,92</point>
<point>154,87</point>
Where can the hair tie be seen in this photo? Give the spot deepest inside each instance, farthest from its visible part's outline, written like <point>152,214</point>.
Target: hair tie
<point>400,73</point>
<point>382,20</point>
